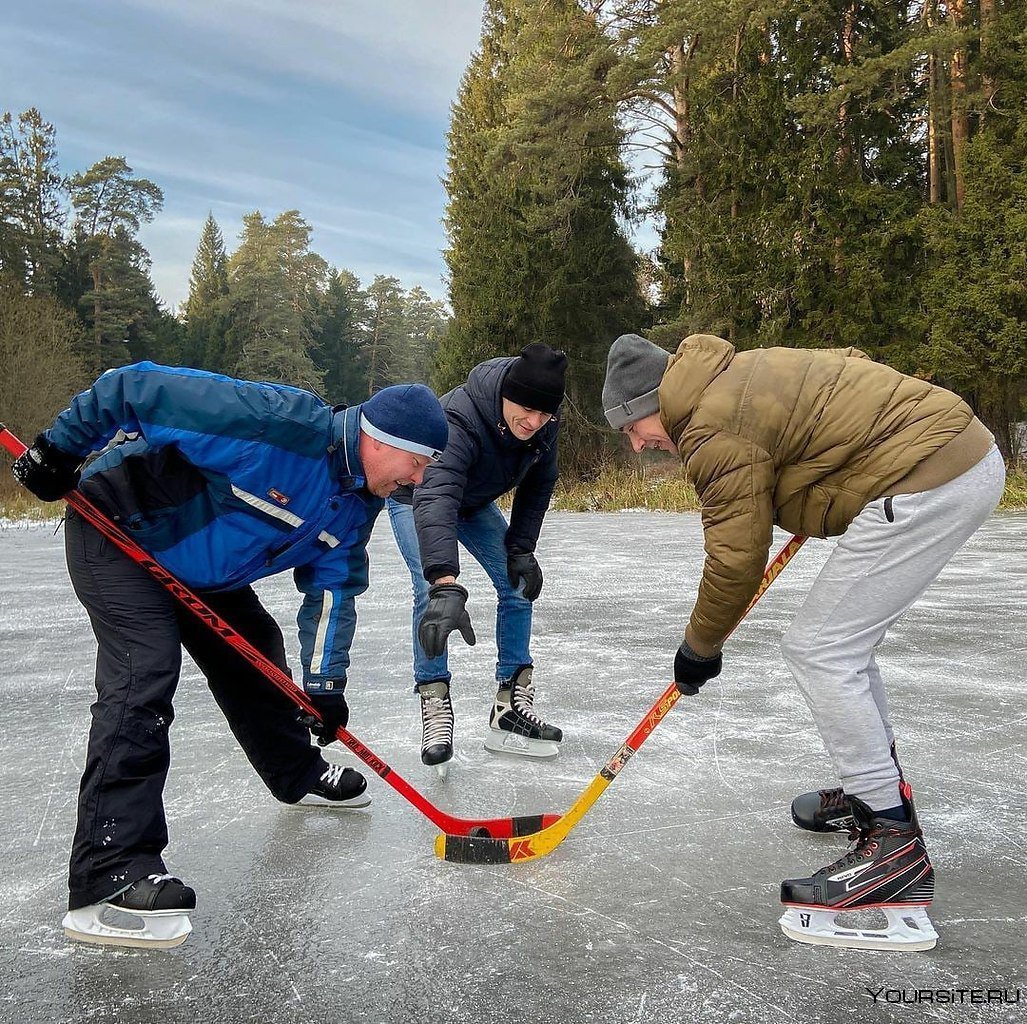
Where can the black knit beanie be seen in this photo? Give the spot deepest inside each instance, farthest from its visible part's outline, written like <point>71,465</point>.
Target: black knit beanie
<point>536,379</point>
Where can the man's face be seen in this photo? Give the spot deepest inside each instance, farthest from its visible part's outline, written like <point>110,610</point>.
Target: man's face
<point>648,433</point>
<point>524,423</point>
<point>386,468</point>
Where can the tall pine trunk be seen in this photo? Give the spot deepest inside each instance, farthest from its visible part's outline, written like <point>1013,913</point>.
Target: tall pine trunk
<point>960,119</point>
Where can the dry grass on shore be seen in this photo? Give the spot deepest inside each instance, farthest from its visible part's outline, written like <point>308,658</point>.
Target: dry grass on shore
<point>658,486</point>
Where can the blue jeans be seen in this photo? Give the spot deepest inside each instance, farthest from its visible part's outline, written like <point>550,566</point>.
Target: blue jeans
<point>483,535</point>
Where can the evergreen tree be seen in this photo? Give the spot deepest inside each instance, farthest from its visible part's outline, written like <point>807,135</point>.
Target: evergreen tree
<point>272,301</point>
<point>119,308</point>
<point>204,311</point>
<point>536,186</point>
<point>791,178</point>
<point>425,322</point>
<point>340,349</point>
<point>32,200</point>
<point>976,289</point>
<point>385,332</point>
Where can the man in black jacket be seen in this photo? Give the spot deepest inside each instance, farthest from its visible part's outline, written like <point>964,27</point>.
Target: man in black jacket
<point>503,425</point>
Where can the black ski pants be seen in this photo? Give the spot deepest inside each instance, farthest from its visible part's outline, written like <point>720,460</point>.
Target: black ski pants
<point>140,631</point>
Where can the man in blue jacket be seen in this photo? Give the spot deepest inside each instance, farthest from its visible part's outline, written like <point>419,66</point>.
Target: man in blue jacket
<point>224,482</point>
<point>503,425</point>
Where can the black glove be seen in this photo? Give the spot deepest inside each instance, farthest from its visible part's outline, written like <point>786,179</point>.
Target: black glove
<point>692,670</point>
<point>334,712</point>
<point>445,612</point>
<point>46,471</point>
<point>524,567</point>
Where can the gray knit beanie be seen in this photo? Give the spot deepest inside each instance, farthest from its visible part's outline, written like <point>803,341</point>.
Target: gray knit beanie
<point>634,370</point>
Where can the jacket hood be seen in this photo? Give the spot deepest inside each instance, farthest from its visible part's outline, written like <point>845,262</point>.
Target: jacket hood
<point>345,448</point>
<point>691,370</point>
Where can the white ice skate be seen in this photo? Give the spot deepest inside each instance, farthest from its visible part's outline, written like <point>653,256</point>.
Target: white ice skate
<point>151,914</point>
<point>514,728</point>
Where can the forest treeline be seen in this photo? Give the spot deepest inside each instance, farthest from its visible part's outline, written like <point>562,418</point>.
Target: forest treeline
<point>840,173</point>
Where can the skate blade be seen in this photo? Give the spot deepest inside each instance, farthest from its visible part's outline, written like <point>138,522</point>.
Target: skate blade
<point>442,770</point>
<point>353,804</point>
<point>909,929</point>
<point>499,742</point>
<point>104,925</point>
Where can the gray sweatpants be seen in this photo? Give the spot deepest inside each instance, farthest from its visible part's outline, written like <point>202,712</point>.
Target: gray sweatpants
<point>887,558</point>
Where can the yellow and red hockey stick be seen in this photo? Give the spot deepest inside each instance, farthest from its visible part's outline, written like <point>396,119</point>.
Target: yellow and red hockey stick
<point>477,848</point>
<point>509,826</point>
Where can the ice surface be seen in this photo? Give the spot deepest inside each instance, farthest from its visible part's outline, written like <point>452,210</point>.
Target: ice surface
<point>660,906</point>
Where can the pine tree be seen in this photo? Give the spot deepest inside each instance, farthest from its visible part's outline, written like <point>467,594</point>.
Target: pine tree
<point>205,307</point>
<point>536,186</point>
<point>32,200</point>
<point>272,301</point>
<point>385,332</point>
<point>340,348</point>
<point>791,179</point>
<point>120,306</point>
<point>976,285</point>
<point>425,322</point>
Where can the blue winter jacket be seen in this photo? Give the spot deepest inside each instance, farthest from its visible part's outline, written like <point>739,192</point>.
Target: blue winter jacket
<point>227,481</point>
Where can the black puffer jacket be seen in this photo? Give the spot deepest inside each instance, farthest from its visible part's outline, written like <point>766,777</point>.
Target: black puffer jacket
<point>482,461</point>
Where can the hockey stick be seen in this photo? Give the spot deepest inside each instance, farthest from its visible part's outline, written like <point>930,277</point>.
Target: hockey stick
<point>473,849</point>
<point>498,827</point>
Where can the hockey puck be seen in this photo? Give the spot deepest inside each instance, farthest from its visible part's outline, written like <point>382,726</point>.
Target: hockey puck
<point>481,832</point>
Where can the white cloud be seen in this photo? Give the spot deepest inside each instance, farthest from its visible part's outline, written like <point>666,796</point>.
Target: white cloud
<point>338,109</point>
<point>410,51</point>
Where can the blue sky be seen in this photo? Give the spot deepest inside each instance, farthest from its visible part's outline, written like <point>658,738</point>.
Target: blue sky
<point>337,108</point>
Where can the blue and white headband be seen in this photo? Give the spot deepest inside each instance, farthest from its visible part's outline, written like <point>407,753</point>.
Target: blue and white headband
<point>403,443</point>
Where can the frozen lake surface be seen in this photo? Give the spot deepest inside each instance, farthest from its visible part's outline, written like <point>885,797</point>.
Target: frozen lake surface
<point>661,906</point>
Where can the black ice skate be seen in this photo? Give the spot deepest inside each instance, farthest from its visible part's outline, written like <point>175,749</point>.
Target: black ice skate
<point>514,728</point>
<point>152,912</point>
<point>436,724</point>
<point>338,787</point>
<point>828,810</point>
<point>886,870</point>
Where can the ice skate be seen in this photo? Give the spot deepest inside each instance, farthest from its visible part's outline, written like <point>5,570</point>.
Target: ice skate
<point>343,788</point>
<point>151,913</point>
<point>887,870</point>
<point>828,810</point>
<point>436,725</point>
<point>514,728</point>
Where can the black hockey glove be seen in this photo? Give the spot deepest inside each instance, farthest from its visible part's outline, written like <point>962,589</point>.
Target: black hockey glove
<point>691,670</point>
<point>46,471</point>
<point>334,712</point>
<point>524,567</point>
<point>445,612</point>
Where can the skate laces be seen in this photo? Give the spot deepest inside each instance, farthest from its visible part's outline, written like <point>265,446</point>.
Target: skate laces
<point>436,720</point>
<point>333,775</point>
<point>832,799</point>
<point>522,699</point>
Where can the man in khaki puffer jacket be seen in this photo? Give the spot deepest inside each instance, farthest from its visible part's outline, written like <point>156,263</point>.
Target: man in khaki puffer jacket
<point>822,443</point>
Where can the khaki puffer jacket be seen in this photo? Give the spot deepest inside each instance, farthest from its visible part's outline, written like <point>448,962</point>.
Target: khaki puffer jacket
<point>802,438</point>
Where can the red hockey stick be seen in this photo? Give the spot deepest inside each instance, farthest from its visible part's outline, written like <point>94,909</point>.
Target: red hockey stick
<point>499,828</point>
